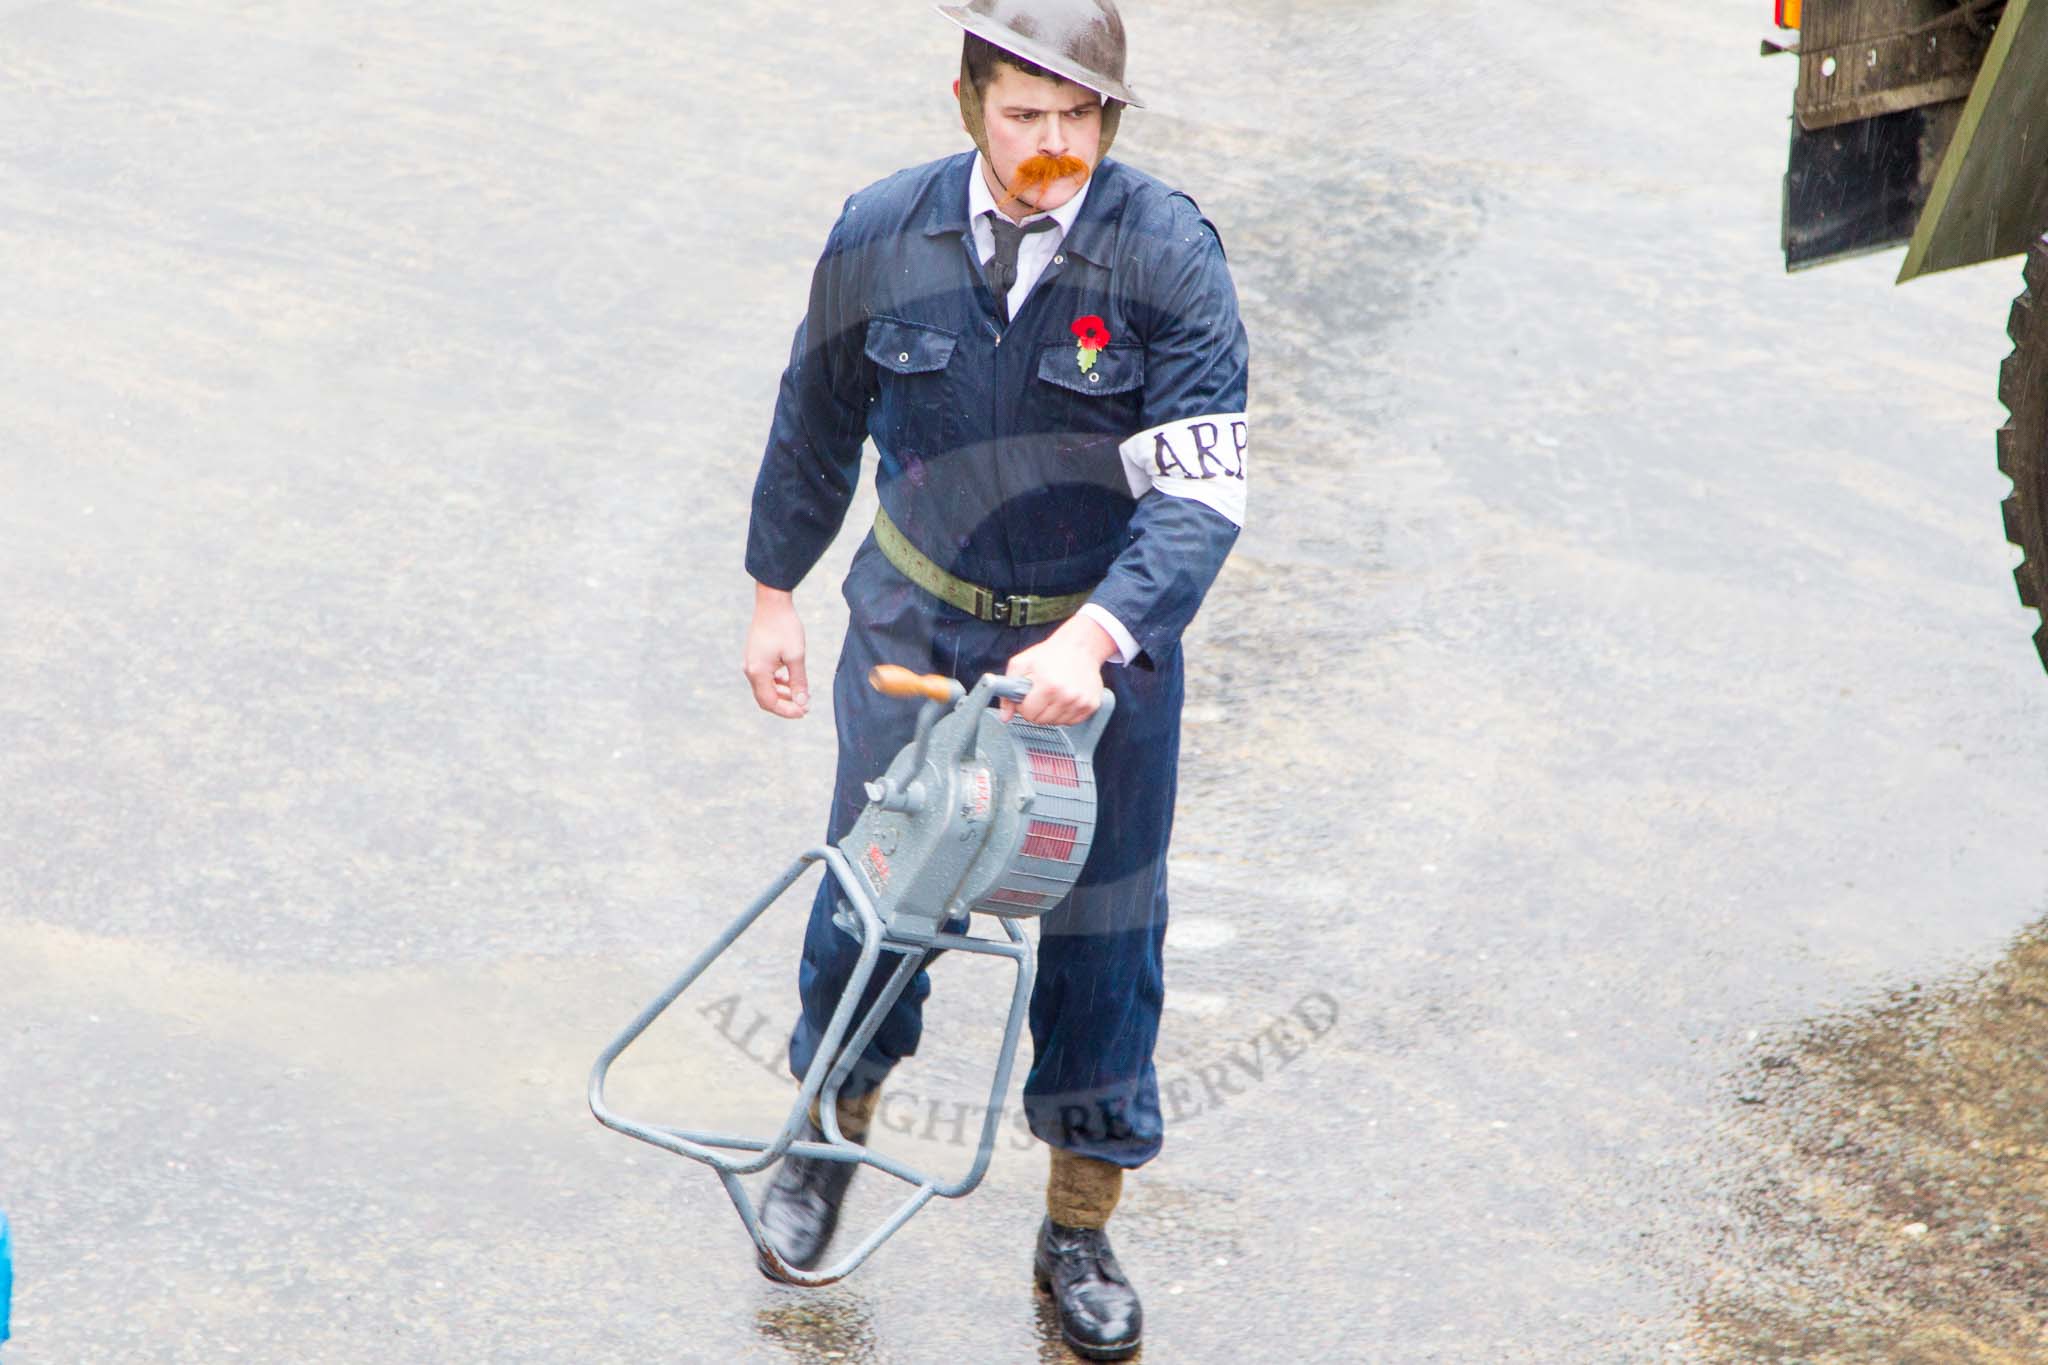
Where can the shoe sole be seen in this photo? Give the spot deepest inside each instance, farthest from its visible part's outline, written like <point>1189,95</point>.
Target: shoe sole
<point>1116,1351</point>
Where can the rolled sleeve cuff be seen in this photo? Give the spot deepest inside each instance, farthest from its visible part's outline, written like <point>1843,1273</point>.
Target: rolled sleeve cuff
<point>1126,643</point>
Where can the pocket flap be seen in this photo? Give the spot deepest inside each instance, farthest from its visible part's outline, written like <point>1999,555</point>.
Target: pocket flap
<point>1116,370</point>
<point>908,347</point>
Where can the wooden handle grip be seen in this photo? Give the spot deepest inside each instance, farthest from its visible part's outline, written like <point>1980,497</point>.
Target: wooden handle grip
<point>893,680</point>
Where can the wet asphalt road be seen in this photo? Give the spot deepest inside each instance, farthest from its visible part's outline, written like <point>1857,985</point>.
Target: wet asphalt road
<point>1615,746</point>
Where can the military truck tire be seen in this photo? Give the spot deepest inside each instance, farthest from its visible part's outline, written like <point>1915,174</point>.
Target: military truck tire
<point>2023,440</point>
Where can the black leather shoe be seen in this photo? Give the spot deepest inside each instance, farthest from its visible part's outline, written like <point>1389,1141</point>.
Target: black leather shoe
<point>1098,1310</point>
<point>801,1208</point>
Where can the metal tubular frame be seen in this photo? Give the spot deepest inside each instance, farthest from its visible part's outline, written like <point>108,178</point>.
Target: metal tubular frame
<point>829,1068</point>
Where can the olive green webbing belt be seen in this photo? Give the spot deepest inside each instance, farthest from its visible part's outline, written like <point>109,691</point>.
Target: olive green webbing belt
<point>972,598</point>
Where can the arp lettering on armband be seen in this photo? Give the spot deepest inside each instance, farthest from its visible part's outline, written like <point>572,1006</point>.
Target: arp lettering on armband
<point>1202,458</point>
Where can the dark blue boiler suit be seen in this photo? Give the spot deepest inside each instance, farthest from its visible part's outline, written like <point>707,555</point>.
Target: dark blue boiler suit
<point>999,459</point>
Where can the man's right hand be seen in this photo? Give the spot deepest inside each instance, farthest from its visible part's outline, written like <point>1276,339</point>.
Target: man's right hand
<point>774,662</point>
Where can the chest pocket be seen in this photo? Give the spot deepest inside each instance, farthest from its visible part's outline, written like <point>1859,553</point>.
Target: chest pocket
<point>1120,369</point>
<point>913,417</point>
<point>1088,413</point>
<point>908,347</point>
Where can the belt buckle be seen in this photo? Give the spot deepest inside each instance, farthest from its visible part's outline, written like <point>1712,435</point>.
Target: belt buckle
<point>1014,610</point>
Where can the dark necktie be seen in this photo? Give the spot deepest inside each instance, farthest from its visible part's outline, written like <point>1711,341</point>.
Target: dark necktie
<point>1002,267</point>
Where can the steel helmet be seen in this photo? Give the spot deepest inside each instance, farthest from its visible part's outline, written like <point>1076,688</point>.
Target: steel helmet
<point>1082,40</point>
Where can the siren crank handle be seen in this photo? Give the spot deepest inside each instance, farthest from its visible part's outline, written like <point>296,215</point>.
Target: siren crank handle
<point>894,680</point>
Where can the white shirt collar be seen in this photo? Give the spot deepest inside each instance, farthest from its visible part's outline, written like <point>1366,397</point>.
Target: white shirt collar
<point>980,201</point>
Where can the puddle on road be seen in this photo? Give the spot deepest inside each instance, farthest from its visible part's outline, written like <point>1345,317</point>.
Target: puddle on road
<point>823,1327</point>
<point>1895,1205</point>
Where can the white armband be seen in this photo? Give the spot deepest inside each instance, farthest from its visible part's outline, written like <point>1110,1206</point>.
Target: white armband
<point>1193,457</point>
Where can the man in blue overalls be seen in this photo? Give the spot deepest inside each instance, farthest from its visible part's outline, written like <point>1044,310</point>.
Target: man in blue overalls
<point>1044,346</point>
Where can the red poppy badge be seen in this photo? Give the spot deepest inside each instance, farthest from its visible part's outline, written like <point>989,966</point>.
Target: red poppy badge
<point>1093,334</point>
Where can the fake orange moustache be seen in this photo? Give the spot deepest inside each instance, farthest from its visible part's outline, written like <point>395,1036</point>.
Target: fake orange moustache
<point>1044,169</point>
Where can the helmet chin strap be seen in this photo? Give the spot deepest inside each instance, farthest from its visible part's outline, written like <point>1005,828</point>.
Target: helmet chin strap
<point>975,118</point>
